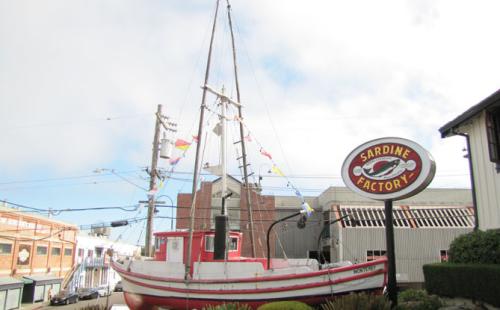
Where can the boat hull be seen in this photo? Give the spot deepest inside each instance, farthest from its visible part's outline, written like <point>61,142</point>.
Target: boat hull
<point>153,290</point>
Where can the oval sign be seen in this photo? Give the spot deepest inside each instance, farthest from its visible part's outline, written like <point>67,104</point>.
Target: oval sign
<point>388,169</point>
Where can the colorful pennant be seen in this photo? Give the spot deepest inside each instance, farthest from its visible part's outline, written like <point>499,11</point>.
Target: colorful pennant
<point>182,144</point>
<point>277,171</point>
<point>307,208</point>
<point>174,161</point>
<point>263,152</point>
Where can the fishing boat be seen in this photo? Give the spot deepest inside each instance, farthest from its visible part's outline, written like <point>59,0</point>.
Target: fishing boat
<point>195,268</point>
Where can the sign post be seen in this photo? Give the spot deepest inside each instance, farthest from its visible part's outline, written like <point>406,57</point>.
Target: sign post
<point>388,169</point>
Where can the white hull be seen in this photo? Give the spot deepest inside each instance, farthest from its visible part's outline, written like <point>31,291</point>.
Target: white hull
<point>151,283</point>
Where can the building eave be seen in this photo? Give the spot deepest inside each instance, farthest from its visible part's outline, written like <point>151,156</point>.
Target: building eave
<point>492,101</point>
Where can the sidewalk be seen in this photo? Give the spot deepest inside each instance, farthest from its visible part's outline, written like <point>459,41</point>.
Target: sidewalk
<point>37,305</point>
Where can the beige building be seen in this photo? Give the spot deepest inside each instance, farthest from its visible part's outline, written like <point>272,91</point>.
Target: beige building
<point>480,125</point>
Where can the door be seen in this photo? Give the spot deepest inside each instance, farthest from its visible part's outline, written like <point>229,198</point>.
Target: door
<point>175,249</point>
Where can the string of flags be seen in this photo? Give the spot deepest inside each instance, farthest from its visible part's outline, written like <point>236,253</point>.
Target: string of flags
<point>184,145</point>
<point>274,168</point>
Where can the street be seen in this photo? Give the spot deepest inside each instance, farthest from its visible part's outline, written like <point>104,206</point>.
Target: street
<point>114,299</point>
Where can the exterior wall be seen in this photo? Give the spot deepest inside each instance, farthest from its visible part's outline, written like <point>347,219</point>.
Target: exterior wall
<point>430,196</point>
<point>486,178</point>
<point>202,210</point>
<point>414,247</point>
<point>23,232</point>
<point>294,242</point>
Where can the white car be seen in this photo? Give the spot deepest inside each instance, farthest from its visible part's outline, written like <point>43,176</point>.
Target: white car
<point>104,291</point>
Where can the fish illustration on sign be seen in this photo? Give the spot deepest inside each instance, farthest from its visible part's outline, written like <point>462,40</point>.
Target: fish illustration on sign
<point>382,168</point>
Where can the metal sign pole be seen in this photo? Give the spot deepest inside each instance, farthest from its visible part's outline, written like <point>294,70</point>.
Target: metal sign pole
<point>392,289</point>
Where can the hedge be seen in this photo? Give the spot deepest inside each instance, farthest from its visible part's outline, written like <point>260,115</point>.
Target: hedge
<point>472,281</point>
<point>478,247</point>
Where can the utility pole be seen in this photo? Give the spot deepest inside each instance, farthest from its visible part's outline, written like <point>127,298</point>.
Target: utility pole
<point>152,183</point>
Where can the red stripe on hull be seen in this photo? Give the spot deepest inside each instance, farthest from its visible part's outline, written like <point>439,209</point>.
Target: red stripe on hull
<point>260,291</point>
<point>256,279</point>
<point>146,302</point>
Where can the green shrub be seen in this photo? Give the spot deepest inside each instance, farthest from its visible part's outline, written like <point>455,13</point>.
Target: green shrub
<point>417,300</point>
<point>358,301</point>
<point>477,247</point>
<point>289,305</point>
<point>232,306</point>
<point>472,281</point>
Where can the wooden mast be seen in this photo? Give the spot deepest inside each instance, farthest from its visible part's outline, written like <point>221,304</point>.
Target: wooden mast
<point>242,136</point>
<point>198,148</point>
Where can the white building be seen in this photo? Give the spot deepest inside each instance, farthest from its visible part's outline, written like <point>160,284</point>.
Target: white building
<point>93,259</point>
<point>480,125</point>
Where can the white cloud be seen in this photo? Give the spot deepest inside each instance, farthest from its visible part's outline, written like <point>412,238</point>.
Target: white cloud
<point>330,76</point>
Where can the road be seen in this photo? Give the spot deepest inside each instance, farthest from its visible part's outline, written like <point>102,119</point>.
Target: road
<point>114,299</point>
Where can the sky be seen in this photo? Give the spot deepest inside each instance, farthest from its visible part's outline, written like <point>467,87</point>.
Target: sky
<point>80,82</point>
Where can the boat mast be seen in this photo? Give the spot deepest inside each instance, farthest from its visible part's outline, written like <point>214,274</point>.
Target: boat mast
<point>242,136</point>
<point>198,148</point>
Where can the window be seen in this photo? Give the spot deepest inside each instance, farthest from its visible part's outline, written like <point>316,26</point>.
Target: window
<point>68,252</point>
<point>81,252</point>
<point>41,250</point>
<point>5,248</point>
<point>443,256</point>
<point>98,252</point>
<point>56,251</point>
<point>493,134</point>
<point>209,243</point>
<point>374,254</point>
<point>90,253</point>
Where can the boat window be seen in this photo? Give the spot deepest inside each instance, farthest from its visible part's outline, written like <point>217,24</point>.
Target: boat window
<point>209,243</point>
<point>233,244</point>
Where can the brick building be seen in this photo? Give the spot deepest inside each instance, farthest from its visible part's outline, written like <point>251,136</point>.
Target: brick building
<point>35,249</point>
<point>209,204</point>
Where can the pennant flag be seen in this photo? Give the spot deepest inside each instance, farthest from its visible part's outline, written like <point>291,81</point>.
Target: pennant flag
<point>277,171</point>
<point>174,161</point>
<point>307,208</point>
<point>182,145</point>
<point>161,184</point>
<point>196,139</point>
<point>263,152</point>
<point>298,194</point>
<point>248,138</point>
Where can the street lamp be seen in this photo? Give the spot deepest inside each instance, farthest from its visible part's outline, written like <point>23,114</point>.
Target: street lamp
<point>172,211</point>
<point>302,220</point>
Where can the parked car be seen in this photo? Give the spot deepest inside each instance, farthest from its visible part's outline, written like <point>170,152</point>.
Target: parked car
<point>119,286</point>
<point>104,290</point>
<point>64,297</point>
<point>87,293</point>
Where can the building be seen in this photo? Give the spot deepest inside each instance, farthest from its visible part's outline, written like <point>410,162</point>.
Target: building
<point>36,250</point>
<point>480,125</point>
<point>209,204</point>
<point>425,225</point>
<point>93,256</point>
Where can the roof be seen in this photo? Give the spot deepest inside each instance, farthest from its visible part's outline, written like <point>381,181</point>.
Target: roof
<point>9,282</point>
<point>492,101</point>
<point>4,208</point>
<point>408,217</point>
<point>41,279</point>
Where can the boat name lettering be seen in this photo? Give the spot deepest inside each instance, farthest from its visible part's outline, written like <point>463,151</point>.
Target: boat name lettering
<point>364,269</point>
